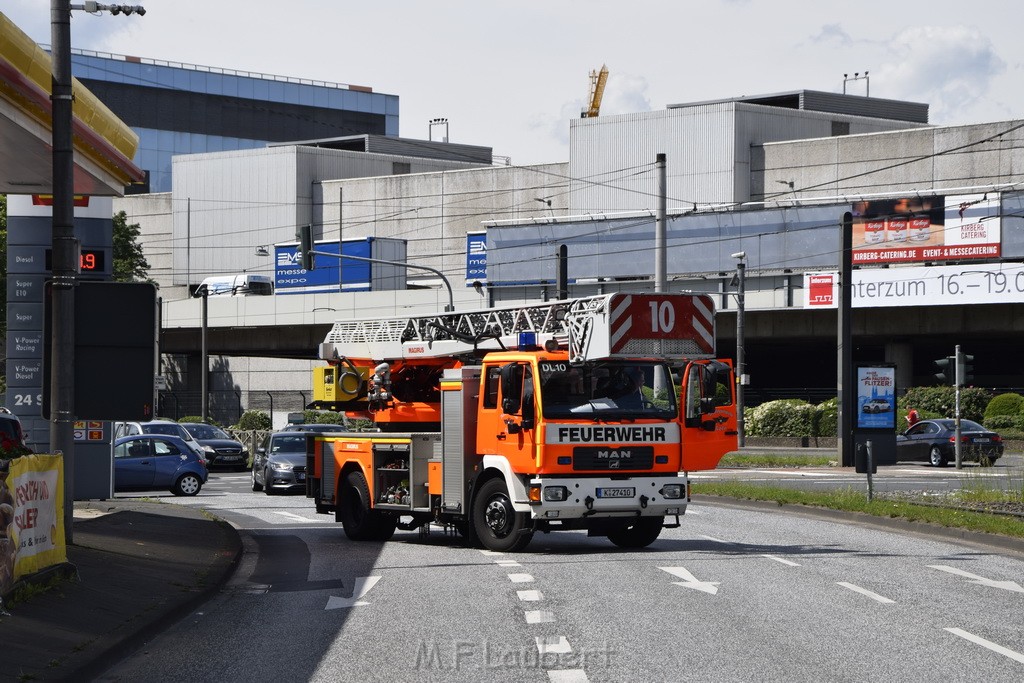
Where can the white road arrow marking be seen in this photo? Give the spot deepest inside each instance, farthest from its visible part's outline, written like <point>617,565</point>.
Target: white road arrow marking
<point>690,581</point>
<point>1005,651</point>
<point>362,587</point>
<point>980,580</point>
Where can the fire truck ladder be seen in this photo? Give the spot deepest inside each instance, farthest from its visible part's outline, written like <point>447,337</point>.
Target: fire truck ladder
<point>589,326</point>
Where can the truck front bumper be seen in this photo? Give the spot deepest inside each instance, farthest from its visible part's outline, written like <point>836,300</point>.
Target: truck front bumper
<point>554,498</point>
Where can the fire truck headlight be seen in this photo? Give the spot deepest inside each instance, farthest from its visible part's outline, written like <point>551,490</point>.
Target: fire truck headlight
<point>555,493</point>
<point>671,491</point>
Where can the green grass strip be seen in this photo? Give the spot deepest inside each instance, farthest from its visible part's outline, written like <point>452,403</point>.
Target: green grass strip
<point>856,501</point>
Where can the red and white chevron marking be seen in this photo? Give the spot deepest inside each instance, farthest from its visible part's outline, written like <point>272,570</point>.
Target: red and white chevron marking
<point>670,316</point>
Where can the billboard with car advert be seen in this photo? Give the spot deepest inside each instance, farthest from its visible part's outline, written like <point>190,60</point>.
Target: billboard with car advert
<point>876,397</point>
<point>935,228</point>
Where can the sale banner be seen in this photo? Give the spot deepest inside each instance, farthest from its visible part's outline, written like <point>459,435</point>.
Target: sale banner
<point>36,484</point>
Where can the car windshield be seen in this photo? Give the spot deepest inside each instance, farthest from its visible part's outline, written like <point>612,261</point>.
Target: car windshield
<point>201,431</point>
<point>288,443</point>
<point>169,428</point>
<point>606,390</point>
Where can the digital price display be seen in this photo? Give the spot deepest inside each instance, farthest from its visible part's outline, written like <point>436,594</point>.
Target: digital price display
<point>90,260</point>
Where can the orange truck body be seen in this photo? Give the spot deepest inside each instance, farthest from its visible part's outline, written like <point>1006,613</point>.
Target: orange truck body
<point>534,438</point>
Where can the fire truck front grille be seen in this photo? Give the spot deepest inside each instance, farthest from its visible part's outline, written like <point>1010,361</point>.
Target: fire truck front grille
<point>611,458</point>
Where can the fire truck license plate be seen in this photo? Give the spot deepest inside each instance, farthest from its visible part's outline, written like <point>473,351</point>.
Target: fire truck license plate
<point>621,492</point>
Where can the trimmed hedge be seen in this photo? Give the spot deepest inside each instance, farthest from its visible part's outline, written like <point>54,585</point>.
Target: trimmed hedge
<point>932,402</point>
<point>1005,405</point>
<point>254,420</point>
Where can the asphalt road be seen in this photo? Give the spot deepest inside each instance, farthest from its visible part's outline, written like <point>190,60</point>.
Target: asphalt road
<point>732,595</point>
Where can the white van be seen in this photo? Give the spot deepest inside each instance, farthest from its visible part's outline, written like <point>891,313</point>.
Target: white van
<point>246,284</point>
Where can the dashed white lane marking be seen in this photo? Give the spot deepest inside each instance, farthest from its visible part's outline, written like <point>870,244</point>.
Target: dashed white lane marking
<point>530,596</point>
<point>299,518</point>
<point>553,644</point>
<point>490,553</point>
<point>786,562</point>
<point>865,591</point>
<point>520,578</point>
<point>507,563</point>
<point>568,676</point>
<point>539,616</point>
<point>712,538</point>
<point>978,640</point>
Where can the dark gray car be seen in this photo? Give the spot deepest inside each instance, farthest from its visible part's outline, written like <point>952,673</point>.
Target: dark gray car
<point>222,449</point>
<point>279,463</point>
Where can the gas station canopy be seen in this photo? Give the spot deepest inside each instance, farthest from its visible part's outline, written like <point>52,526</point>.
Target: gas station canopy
<point>103,144</point>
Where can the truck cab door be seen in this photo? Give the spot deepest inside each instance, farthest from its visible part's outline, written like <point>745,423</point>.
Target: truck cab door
<point>707,413</point>
<point>509,414</point>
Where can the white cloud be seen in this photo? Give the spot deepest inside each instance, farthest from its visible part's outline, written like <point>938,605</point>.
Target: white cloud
<point>951,68</point>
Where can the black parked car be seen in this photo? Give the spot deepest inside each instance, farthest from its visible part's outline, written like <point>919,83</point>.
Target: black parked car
<point>220,448</point>
<point>935,441</point>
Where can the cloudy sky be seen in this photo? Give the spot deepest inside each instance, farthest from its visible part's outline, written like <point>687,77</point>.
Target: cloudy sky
<point>510,75</point>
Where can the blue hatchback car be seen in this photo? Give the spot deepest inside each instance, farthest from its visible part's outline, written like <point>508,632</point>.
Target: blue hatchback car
<point>156,461</point>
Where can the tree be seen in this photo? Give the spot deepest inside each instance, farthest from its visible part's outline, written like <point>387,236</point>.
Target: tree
<point>130,264</point>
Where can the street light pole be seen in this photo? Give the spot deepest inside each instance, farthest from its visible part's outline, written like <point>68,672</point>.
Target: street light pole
<point>64,260</point>
<point>741,274</point>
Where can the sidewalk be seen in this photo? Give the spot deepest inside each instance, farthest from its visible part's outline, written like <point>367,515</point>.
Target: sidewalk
<point>139,565</point>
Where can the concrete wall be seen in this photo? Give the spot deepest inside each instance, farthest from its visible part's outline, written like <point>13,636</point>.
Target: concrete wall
<point>434,211</point>
<point>925,161</point>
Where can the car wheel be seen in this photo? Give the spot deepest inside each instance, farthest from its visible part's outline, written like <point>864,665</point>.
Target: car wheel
<point>187,485</point>
<point>256,486</point>
<point>936,458</point>
<point>496,523</point>
<point>640,534</point>
<point>268,488</point>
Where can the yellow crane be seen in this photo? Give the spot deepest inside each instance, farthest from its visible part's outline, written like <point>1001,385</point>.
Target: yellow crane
<point>597,82</point>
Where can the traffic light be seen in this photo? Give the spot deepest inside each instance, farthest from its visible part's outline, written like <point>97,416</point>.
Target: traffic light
<point>947,370</point>
<point>965,370</point>
<point>304,234</point>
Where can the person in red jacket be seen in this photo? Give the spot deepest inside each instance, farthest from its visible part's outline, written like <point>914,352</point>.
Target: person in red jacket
<point>912,417</point>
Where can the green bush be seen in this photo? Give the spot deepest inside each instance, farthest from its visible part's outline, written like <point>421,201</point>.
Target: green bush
<point>826,418</point>
<point>198,418</point>
<point>323,417</point>
<point>254,419</point>
<point>785,417</point>
<point>1005,405</point>
<point>941,402</point>
<point>1005,422</point>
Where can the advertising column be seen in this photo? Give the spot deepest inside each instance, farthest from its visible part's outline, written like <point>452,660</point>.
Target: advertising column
<point>875,419</point>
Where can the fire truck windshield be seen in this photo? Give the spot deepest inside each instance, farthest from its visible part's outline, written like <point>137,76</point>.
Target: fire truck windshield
<point>607,390</point>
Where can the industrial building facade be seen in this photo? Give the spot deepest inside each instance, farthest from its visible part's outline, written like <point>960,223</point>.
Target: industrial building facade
<point>180,108</point>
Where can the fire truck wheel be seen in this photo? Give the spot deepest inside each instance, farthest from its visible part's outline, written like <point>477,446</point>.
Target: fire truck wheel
<point>639,535</point>
<point>496,523</point>
<point>353,511</point>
